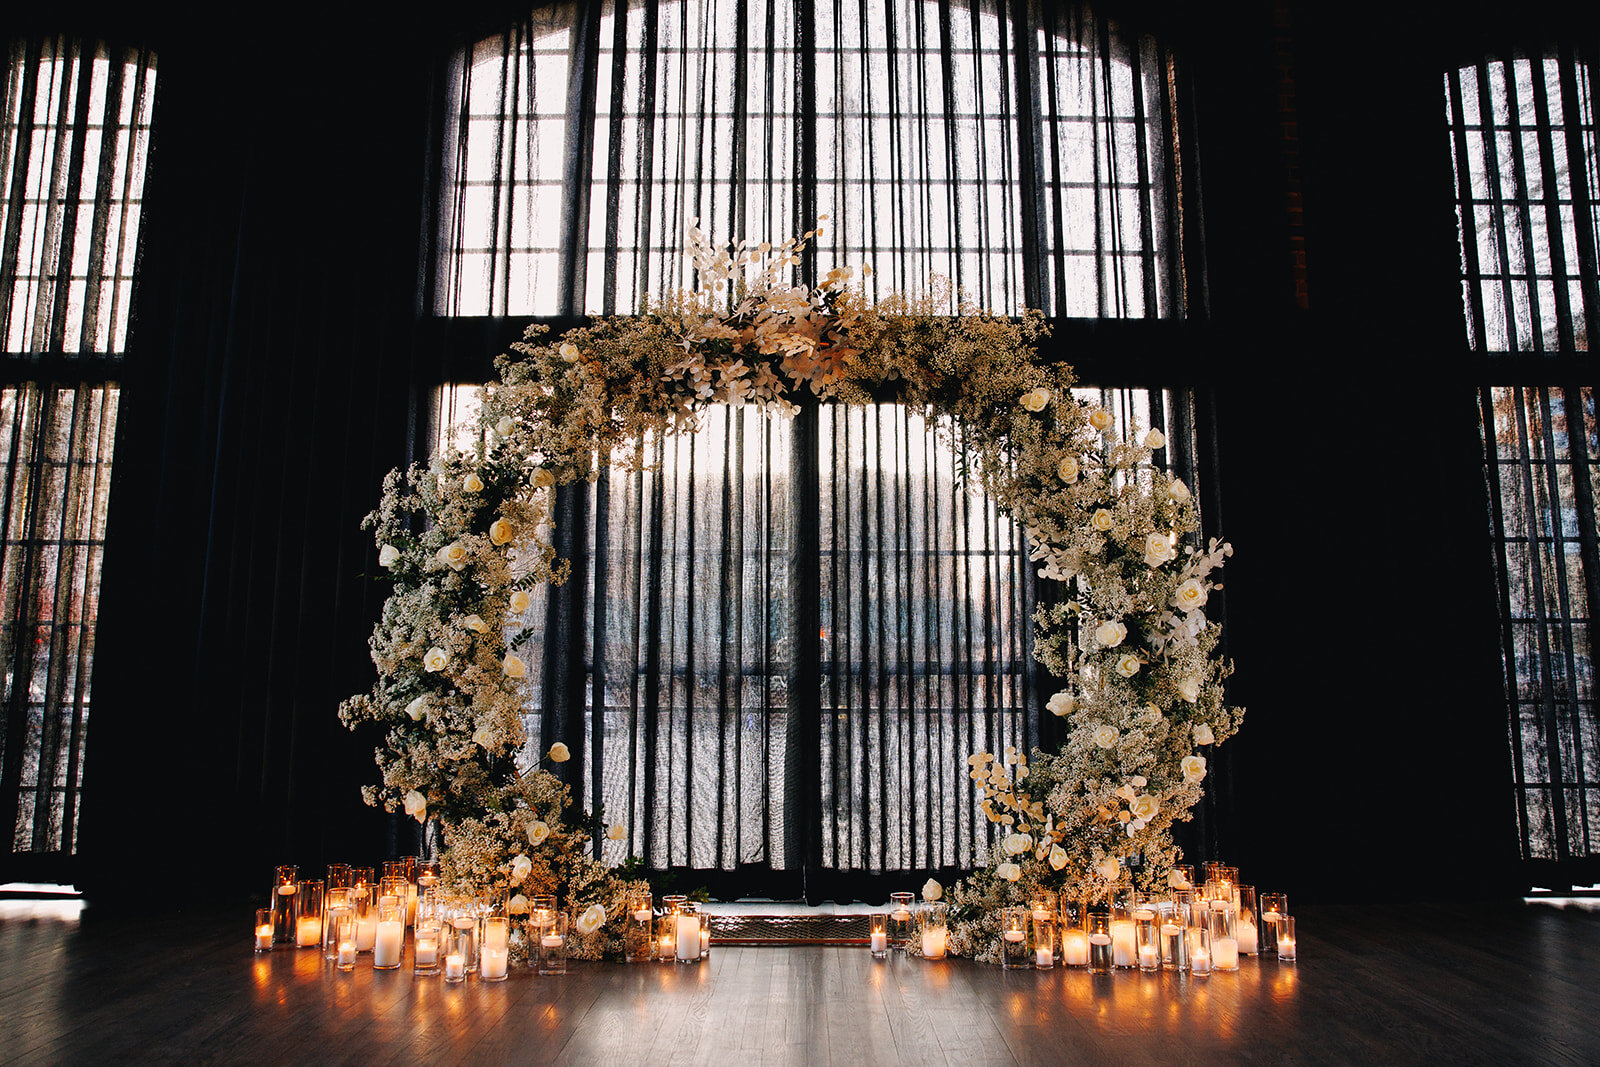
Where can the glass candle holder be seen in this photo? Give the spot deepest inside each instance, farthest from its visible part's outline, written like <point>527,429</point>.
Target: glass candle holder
<point>552,946</point>
<point>392,890</point>
<point>1147,935</point>
<point>902,921</point>
<point>1249,931</point>
<point>1098,926</point>
<point>1174,938</point>
<point>308,920</point>
<point>1223,922</point>
<point>1200,950</point>
<point>338,876</point>
<point>686,924</point>
<point>1274,906</point>
<point>335,907</point>
<point>263,929</point>
<point>463,926</point>
<point>667,938</point>
<point>458,946</point>
<point>1286,941</point>
<point>1014,938</point>
<point>344,943</point>
<point>494,954</point>
<point>390,937</point>
<point>705,933</point>
<point>1043,942</point>
<point>427,876</point>
<point>1123,953</point>
<point>1074,938</point>
<point>285,888</point>
<point>1042,905</point>
<point>933,925</point>
<point>637,943</point>
<point>364,910</point>
<point>542,913</point>
<point>427,945</point>
<point>878,934</point>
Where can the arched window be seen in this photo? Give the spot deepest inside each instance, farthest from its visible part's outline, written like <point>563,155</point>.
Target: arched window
<point>781,643</point>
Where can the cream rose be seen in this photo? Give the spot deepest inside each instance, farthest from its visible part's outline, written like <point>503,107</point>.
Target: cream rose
<point>1194,768</point>
<point>1100,419</point>
<point>476,624</point>
<point>1128,665</point>
<point>1189,688</point>
<point>1155,439</point>
<point>417,708</point>
<point>521,866</point>
<point>1061,704</point>
<point>1101,520</point>
<point>1009,871</point>
<point>518,905</point>
<point>520,601</point>
<point>1145,807</point>
<point>932,890</point>
<point>1110,633</point>
<point>1203,734</point>
<point>1109,869</point>
<point>416,805</point>
<point>388,555</point>
<point>1178,492</point>
<point>1191,595</point>
<point>1058,857</point>
<point>472,483</point>
<point>483,737</point>
<point>1036,399</point>
<point>559,753</point>
<point>513,666</point>
<point>1067,469</point>
<point>435,659</point>
<point>501,532</point>
<point>568,351</point>
<point>506,426</point>
<point>593,917</point>
<point>1016,844</point>
<point>616,832</point>
<point>1105,735</point>
<point>454,555</point>
<point>1158,549</point>
<point>542,478</point>
<point>537,832</point>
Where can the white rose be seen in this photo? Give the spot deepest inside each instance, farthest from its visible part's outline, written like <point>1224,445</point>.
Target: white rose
<point>568,351</point>
<point>1144,807</point>
<point>1155,439</point>
<point>537,832</point>
<point>416,805</point>
<point>506,426</point>
<point>387,555</point>
<point>1203,734</point>
<point>1178,492</point>
<point>1158,549</point>
<point>1101,520</point>
<point>1110,633</point>
<point>592,919</point>
<point>1191,595</point>
<point>1100,419</point>
<point>1128,665</point>
<point>543,479</point>
<point>501,532</point>
<point>1058,857</point>
<point>435,659</point>
<point>417,708</point>
<point>483,737</point>
<point>513,666</point>
<point>1061,704</point>
<point>518,905</point>
<point>521,866</point>
<point>932,890</point>
<point>1194,768</point>
<point>1036,399</point>
<point>520,601</point>
<point>559,753</point>
<point>1009,871</point>
<point>1067,469</point>
<point>1016,844</point>
<point>454,554</point>
<point>1109,869</point>
<point>1105,735</point>
<point>616,832</point>
<point>476,624</point>
<point>1189,688</point>
<point>472,483</point>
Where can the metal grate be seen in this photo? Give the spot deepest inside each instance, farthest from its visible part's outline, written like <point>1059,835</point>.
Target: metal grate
<point>789,929</point>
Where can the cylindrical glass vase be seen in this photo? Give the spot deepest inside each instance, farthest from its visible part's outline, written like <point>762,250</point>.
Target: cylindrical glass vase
<point>933,926</point>
<point>1248,925</point>
<point>494,955</point>
<point>335,908</point>
<point>1098,927</point>
<point>1147,935</point>
<point>686,922</point>
<point>427,945</point>
<point>1224,936</point>
<point>1074,938</point>
<point>338,876</point>
<point>638,946</point>
<point>1014,938</point>
<point>1200,950</point>
<point>390,937</point>
<point>1286,939</point>
<point>878,934</point>
<point>1043,942</point>
<point>463,927</point>
<point>552,947</point>
<point>308,921</point>
<point>1173,923</point>
<point>459,947</point>
<point>263,929</point>
<point>344,942</point>
<point>902,921</point>
<point>285,890</point>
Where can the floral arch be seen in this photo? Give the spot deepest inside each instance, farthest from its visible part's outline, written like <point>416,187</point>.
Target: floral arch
<point>467,537</point>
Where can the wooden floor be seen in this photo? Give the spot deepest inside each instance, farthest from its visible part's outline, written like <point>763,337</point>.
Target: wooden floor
<point>1492,984</point>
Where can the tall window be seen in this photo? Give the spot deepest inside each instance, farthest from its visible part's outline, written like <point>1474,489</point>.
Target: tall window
<point>1528,208</point>
<point>73,147</point>
<point>788,636</point>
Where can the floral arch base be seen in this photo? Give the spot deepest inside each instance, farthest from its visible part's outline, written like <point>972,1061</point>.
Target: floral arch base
<point>466,538</point>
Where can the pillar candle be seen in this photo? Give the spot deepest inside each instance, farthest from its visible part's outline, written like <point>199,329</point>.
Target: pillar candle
<point>1074,948</point>
<point>1043,958</point>
<point>455,966</point>
<point>495,937</point>
<point>1149,959</point>
<point>347,953</point>
<point>934,942</point>
<point>308,933</point>
<point>264,936</point>
<point>1248,940</point>
<point>411,905</point>
<point>386,948</point>
<point>688,937</point>
<point>427,949</point>
<point>1225,953</point>
<point>1122,954</point>
<point>492,962</point>
<point>366,931</point>
<point>880,942</point>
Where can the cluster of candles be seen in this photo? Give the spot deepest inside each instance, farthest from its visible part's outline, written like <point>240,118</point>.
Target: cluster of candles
<point>350,915</point>
<point>1188,929</point>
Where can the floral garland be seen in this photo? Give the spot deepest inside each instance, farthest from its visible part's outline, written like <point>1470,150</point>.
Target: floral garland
<point>466,538</point>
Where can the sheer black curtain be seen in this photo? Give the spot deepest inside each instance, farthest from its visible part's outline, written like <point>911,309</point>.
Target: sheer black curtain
<point>787,637</point>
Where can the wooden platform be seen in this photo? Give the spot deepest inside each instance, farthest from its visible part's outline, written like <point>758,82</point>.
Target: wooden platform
<point>1481,984</point>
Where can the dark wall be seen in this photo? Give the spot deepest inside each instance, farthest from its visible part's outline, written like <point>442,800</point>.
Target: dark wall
<point>271,384</point>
